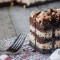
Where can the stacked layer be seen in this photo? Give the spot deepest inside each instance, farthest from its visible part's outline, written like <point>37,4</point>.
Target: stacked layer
<point>29,2</point>
<point>25,3</point>
<point>45,30</point>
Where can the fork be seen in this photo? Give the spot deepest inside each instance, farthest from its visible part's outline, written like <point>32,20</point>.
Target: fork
<point>17,43</point>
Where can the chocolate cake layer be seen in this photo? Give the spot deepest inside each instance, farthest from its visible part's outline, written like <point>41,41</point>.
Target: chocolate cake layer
<point>5,3</point>
<point>47,34</point>
<point>45,45</point>
<point>42,51</point>
<point>42,39</point>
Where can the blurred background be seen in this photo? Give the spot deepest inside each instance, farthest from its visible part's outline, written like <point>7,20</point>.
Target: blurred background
<point>14,19</point>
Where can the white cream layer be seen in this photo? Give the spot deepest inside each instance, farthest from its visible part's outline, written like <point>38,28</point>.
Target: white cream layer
<point>45,45</point>
<point>1,1</point>
<point>6,0</point>
<point>18,1</point>
<point>28,2</point>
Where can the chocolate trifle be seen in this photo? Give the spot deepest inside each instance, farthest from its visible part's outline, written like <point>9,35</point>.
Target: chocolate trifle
<point>45,30</point>
<point>33,2</point>
<point>28,2</point>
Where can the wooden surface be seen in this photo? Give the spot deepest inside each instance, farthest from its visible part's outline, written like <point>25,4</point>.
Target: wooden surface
<point>16,19</point>
<point>6,26</point>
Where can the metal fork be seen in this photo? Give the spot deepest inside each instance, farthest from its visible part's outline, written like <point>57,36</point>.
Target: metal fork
<point>18,43</point>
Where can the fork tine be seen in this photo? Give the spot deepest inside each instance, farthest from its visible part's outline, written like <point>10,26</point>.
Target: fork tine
<point>23,38</point>
<point>16,41</point>
<point>21,43</point>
